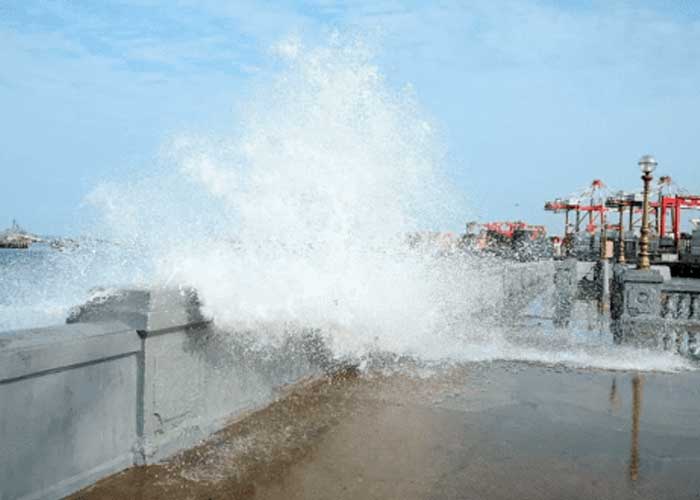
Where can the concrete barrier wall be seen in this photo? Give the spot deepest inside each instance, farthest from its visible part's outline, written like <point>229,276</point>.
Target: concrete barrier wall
<point>68,411</point>
<point>134,377</point>
<point>525,282</point>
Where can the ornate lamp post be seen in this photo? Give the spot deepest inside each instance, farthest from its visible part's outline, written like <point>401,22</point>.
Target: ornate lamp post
<point>647,164</point>
<point>621,230</point>
<point>603,236</point>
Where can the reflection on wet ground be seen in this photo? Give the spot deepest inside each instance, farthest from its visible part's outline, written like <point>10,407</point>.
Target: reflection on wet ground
<point>479,431</point>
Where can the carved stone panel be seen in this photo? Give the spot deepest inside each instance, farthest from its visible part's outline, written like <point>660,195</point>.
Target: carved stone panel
<point>642,299</point>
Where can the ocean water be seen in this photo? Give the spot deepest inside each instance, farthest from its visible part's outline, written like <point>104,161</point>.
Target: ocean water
<point>39,285</point>
<point>29,293</point>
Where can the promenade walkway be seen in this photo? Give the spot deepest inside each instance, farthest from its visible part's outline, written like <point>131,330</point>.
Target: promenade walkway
<point>480,431</point>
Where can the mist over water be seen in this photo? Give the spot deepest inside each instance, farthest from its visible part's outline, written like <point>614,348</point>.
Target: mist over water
<point>300,220</point>
<point>39,285</point>
<point>312,203</point>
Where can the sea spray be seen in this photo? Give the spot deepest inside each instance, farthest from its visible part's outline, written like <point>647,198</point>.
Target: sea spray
<point>40,284</point>
<point>304,218</point>
<point>331,173</point>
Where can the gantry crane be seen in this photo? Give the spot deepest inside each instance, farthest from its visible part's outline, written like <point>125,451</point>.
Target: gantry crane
<point>587,204</point>
<point>590,207</point>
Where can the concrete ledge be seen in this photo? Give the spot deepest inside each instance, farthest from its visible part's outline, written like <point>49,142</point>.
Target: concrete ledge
<point>30,352</point>
<point>143,310</point>
<point>682,285</point>
<point>653,275</point>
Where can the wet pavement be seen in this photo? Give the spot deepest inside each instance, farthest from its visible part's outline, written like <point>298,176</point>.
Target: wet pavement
<point>479,431</point>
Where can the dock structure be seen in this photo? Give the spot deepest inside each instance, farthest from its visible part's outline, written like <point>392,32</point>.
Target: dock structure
<point>513,240</point>
<point>590,235</point>
<point>584,236</point>
<point>14,244</point>
<point>644,269</point>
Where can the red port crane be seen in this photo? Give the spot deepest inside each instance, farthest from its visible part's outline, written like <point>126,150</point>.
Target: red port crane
<point>589,203</point>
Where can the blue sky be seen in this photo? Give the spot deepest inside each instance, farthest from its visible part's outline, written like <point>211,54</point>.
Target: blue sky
<point>534,98</point>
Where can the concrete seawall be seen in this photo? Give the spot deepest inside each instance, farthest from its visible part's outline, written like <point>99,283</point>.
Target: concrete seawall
<point>133,378</point>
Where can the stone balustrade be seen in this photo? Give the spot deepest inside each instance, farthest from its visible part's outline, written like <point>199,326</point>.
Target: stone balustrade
<point>650,310</point>
<point>680,309</point>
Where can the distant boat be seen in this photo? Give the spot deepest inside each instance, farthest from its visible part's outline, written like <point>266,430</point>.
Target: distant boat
<point>16,237</point>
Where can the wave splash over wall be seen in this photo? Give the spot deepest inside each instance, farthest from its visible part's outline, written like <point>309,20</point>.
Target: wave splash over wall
<point>330,174</point>
<point>300,220</point>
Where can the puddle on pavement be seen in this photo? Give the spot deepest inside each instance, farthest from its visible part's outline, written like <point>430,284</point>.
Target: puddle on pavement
<point>482,431</point>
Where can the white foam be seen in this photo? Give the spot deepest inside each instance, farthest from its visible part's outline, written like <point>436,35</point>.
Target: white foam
<point>300,219</point>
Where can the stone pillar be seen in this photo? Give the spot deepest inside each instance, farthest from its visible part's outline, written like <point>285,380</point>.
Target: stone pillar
<point>565,289</point>
<point>636,308</point>
<point>602,282</point>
